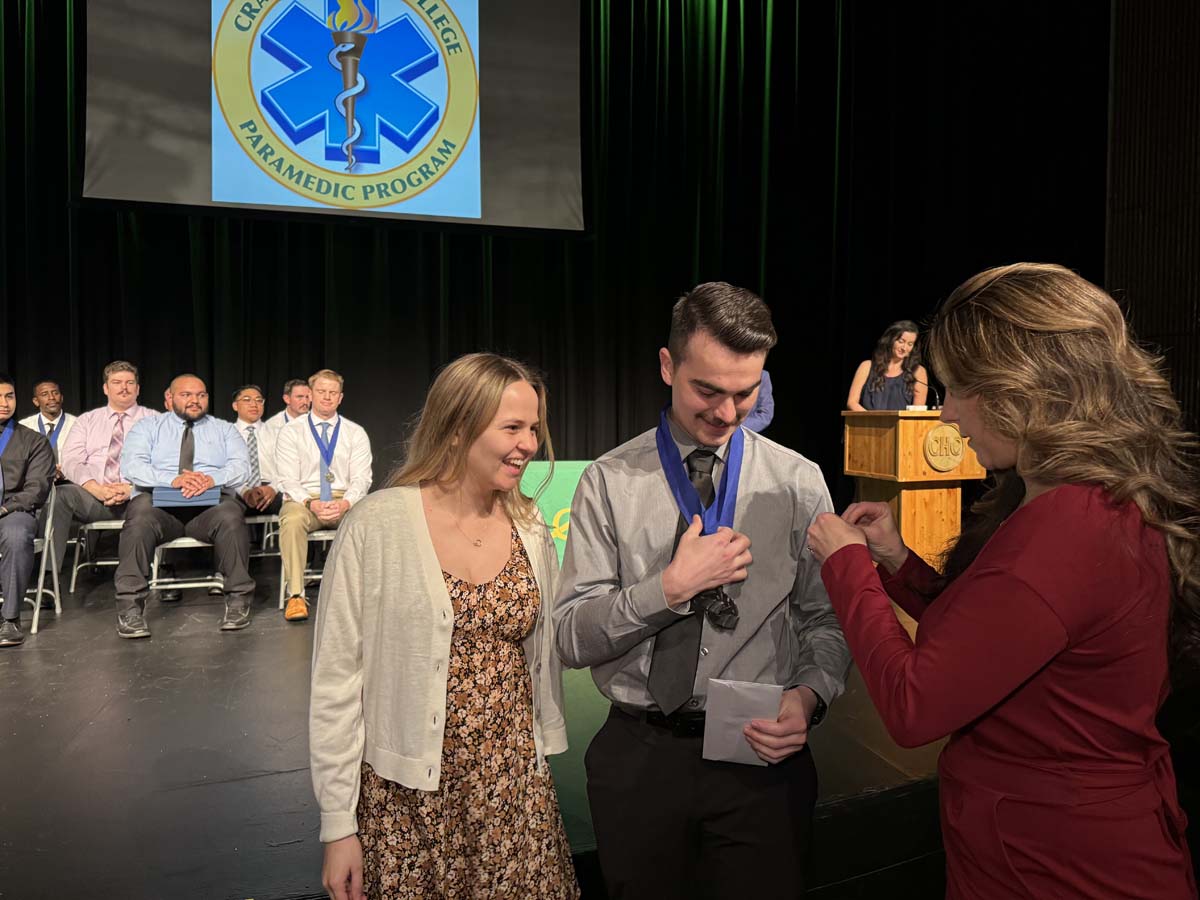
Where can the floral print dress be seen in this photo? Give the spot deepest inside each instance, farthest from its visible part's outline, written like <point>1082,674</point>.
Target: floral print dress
<point>492,829</point>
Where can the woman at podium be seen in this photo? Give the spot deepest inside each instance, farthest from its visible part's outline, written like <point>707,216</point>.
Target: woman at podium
<point>893,377</point>
<point>1044,644</point>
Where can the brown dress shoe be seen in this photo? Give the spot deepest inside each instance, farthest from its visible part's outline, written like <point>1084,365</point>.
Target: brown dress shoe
<point>296,609</point>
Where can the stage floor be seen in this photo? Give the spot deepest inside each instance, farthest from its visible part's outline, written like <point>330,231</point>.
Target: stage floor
<point>177,767</point>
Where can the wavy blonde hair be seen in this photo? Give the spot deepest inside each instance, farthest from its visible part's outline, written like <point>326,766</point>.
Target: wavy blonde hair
<point>461,403</point>
<point>1057,371</point>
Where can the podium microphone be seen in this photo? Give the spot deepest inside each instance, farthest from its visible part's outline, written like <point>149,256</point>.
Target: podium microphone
<point>936,396</point>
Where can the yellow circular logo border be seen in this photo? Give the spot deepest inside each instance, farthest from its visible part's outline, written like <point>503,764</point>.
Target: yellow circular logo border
<point>458,121</point>
<point>947,462</point>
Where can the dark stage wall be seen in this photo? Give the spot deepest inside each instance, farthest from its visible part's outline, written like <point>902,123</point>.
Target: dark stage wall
<point>852,161</point>
<point>1153,255</point>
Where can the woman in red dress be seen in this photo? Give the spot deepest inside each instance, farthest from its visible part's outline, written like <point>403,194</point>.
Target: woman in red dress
<point>1043,647</point>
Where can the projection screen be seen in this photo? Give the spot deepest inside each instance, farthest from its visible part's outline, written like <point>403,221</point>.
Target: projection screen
<point>448,110</point>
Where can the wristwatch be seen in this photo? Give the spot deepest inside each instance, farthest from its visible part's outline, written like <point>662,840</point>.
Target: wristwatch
<point>818,713</point>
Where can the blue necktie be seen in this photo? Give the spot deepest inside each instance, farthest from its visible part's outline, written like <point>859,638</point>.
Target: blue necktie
<point>326,485</point>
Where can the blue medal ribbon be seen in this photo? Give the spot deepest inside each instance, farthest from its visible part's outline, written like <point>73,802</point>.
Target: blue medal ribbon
<point>53,431</point>
<point>720,513</point>
<point>5,437</point>
<point>326,449</point>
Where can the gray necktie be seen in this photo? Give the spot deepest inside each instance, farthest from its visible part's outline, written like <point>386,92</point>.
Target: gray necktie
<point>187,449</point>
<point>252,446</point>
<point>677,647</point>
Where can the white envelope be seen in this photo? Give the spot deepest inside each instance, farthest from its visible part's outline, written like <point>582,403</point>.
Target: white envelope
<point>730,706</point>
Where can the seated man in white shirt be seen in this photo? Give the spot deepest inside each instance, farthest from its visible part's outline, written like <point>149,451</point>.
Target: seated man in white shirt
<point>323,466</point>
<point>297,401</point>
<point>50,421</point>
<point>261,493</point>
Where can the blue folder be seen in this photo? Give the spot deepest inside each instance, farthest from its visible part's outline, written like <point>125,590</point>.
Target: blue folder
<point>169,496</point>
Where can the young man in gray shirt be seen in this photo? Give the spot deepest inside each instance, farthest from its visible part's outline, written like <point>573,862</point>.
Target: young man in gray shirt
<point>687,561</point>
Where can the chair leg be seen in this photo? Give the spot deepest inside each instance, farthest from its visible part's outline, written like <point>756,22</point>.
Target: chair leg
<point>37,596</point>
<point>154,566</point>
<point>54,581</point>
<point>75,565</point>
<point>282,582</point>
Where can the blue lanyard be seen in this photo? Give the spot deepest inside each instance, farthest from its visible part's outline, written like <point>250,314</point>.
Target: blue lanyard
<point>6,436</point>
<point>325,449</point>
<point>53,431</point>
<point>720,512</point>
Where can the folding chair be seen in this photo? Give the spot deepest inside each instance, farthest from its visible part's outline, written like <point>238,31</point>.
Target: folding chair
<point>270,535</point>
<point>184,543</point>
<point>83,544</point>
<point>324,537</point>
<point>44,547</point>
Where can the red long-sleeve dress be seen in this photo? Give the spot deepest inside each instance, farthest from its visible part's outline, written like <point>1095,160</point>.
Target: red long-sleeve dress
<point>1045,662</point>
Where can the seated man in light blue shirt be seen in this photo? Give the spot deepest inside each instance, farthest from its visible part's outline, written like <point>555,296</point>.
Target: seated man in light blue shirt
<point>189,450</point>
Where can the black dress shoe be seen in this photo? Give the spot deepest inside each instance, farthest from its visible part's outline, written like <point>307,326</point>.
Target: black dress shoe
<point>10,634</point>
<point>237,617</point>
<point>47,603</point>
<point>170,595</point>
<point>132,624</point>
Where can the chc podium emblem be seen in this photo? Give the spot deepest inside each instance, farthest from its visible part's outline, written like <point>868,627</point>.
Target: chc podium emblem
<point>944,448</point>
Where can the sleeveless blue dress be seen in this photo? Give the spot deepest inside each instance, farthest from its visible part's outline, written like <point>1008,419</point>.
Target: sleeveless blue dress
<point>893,394</point>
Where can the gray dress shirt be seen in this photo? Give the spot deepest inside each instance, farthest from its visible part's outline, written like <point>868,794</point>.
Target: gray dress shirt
<point>610,596</point>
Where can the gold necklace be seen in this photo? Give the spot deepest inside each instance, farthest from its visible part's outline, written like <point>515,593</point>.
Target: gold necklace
<point>477,542</point>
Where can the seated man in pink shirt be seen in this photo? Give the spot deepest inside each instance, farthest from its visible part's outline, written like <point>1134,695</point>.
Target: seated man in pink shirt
<point>91,457</point>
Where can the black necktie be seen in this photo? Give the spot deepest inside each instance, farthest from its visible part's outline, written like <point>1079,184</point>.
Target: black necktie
<point>677,647</point>
<point>187,449</point>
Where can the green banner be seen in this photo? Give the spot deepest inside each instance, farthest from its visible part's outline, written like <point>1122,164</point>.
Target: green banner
<point>586,708</point>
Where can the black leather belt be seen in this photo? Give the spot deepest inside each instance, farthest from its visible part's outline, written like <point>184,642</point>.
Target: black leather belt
<point>679,724</point>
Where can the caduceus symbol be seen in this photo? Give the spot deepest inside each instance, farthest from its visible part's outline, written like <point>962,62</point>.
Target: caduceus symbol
<point>351,21</point>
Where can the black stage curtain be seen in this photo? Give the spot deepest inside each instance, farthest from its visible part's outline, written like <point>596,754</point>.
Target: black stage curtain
<point>851,161</point>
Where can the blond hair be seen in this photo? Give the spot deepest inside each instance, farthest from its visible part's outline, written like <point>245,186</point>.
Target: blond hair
<point>461,403</point>
<point>327,374</point>
<point>1057,371</point>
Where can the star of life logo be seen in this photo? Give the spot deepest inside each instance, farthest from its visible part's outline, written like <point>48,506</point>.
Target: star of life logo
<point>356,104</point>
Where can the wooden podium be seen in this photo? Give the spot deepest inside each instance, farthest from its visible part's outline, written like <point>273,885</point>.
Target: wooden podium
<point>915,463</point>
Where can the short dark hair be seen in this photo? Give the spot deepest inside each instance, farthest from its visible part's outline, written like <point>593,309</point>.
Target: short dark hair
<point>5,378</point>
<point>736,317</point>
<point>38,384</point>
<point>293,383</point>
<point>248,387</point>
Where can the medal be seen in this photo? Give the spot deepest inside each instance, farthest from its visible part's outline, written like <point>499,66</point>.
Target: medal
<point>718,607</point>
<point>329,477</point>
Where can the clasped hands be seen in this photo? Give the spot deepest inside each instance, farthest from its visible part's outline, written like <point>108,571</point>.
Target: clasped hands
<point>259,497</point>
<point>192,484</point>
<point>109,494</point>
<point>328,512</point>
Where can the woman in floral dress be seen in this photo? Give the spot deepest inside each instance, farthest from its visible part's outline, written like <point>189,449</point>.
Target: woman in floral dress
<point>436,692</point>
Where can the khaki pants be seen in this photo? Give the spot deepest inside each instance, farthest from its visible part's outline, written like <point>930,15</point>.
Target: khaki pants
<point>296,523</point>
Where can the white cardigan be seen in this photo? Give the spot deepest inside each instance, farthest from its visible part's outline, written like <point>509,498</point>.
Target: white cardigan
<point>381,650</point>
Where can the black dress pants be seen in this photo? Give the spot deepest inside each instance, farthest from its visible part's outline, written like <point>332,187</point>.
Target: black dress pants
<point>147,526</point>
<point>670,824</point>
